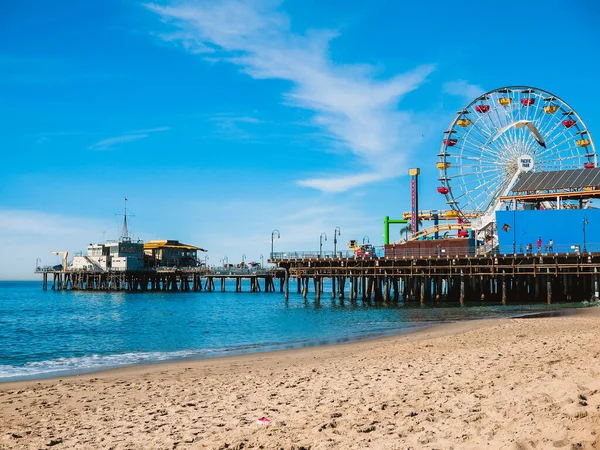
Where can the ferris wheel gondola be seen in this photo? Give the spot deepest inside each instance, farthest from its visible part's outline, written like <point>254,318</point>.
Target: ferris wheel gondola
<point>502,134</point>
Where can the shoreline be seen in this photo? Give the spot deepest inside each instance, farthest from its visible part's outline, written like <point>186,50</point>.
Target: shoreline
<point>417,333</point>
<point>511,383</point>
<point>421,333</point>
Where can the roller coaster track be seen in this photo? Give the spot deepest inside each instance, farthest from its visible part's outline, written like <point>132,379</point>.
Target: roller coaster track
<point>434,229</point>
<point>441,215</point>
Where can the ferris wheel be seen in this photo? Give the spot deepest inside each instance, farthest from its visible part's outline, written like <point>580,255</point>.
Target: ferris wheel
<point>502,134</point>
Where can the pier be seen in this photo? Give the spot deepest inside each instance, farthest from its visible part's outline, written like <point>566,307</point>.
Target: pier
<point>498,278</point>
<point>425,279</point>
<point>182,280</point>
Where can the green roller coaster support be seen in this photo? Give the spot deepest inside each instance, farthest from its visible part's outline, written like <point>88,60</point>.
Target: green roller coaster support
<point>386,227</point>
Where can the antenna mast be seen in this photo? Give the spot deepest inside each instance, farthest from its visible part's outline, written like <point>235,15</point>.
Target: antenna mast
<point>124,230</point>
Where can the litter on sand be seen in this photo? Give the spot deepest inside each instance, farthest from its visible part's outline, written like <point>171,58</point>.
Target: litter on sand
<point>263,421</point>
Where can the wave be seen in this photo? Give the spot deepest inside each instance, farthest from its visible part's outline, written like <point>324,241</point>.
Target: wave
<point>92,363</point>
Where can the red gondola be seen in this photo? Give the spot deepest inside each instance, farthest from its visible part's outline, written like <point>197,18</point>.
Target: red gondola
<point>569,123</point>
<point>482,108</point>
<point>450,142</point>
<point>443,190</point>
<point>527,101</point>
<point>463,233</point>
<point>589,165</point>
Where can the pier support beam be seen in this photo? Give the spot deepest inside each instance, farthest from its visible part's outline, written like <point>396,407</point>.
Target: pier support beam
<point>549,287</point>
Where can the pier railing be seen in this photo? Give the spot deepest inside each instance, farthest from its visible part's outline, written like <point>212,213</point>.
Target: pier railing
<point>233,271</point>
<point>402,251</point>
<point>311,254</point>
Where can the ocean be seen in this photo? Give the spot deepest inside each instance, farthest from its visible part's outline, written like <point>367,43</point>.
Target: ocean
<point>56,333</point>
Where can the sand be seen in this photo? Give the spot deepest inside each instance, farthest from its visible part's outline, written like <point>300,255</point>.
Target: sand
<point>500,384</point>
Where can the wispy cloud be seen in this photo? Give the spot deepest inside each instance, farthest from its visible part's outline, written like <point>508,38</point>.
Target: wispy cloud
<point>343,183</point>
<point>151,130</point>
<point>463,88</point>
<point>235,126</point>
<point>27,235</point>
<point>350,103</point>
<point>111,143</point>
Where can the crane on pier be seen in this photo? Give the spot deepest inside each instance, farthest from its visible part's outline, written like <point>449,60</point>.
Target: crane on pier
<point>65,257</point>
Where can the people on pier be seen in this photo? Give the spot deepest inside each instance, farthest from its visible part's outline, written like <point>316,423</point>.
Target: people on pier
<point>551,246</point>
<point>539,245</point>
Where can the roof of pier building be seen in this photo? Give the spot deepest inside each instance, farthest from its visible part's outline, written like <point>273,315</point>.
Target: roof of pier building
<point>170,244</point>
<point>575,184</point>
<point>558,180</point>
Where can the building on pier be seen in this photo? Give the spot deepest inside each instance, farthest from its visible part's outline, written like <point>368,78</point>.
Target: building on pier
<point>121,255</point>
<point>171,253</point>
<point>553,208</point>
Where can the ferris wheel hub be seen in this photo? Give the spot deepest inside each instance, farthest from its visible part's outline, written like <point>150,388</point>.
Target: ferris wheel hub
<point>526,163</point>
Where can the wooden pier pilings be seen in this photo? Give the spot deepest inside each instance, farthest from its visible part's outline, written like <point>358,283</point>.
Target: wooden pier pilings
<point>494,278</point>
<point>156,281</point>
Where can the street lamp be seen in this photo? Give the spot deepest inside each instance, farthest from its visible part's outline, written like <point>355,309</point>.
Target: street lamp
<point>273,234</point>
<point>262,261</point>
<point>321,243</point>
<point>37,263</point>
<point>243,260</point>
<point>585,222</point>
<point>367,238</point>
<point>225,261</point>
<point>205,260</point>
<point>336,233</point>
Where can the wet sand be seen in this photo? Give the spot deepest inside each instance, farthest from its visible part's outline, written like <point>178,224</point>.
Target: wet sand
<point>509,383</point>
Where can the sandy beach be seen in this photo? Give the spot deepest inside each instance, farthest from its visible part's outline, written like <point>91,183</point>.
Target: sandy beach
<point>512,383</point>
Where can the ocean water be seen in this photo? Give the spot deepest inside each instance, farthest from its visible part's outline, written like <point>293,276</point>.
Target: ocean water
<point>56,333</point>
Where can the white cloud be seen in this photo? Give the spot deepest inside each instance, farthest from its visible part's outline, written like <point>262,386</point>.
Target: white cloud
<point>462,88</point>
<point>110,143</point>
<point>28,235</point>
<point>350,103</point>
<point>343,183</point>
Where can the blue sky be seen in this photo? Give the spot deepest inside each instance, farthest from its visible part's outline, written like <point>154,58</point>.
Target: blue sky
<point>223,120</point>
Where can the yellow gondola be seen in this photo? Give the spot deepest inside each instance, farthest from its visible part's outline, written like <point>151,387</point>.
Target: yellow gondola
<point>505,101</point>
<point>442,165</point>
<point>583,142</point>
<point>550,109</point>
<point>463,123</point>
<point>451,213</point>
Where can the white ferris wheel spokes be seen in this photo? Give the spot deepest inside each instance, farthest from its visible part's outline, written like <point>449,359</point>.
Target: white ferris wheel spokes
<point>502,134</point>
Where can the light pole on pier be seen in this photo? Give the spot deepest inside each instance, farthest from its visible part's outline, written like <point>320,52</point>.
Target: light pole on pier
<point>273,234</point>
<point>321,243</point>
<point>367,238</point>
<point>336,233</point>
<point>37,263</point>
<point>225,262</point>
<point>243,260</point>
<point>585,222</point>
<point>205,260</point>
<point>262,261</point>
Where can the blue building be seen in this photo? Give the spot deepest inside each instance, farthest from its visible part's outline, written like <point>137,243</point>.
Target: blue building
<point>571,230</point>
